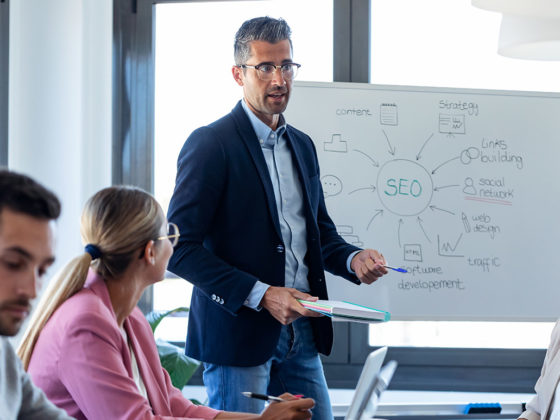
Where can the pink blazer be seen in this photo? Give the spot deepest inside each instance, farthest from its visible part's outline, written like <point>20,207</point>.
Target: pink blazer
<point>82,362</point>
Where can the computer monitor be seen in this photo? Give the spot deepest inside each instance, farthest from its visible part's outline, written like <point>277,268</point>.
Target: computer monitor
<point>373,381</point>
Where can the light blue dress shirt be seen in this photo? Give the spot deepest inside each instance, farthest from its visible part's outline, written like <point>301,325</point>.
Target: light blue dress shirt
<point>289,203</point>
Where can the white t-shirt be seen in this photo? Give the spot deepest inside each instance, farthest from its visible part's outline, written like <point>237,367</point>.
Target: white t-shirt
<point>135,372</point>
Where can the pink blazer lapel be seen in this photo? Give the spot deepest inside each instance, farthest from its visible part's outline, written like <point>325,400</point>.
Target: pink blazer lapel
<point>144,347</point>
<point>149,365</point>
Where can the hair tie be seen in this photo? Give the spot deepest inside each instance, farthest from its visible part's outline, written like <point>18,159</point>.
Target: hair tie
<point>93,250</point>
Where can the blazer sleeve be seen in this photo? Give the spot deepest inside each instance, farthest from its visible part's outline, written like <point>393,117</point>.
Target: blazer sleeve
<point>182,407</point>
<point>201,179</point>
<point>95,375</point>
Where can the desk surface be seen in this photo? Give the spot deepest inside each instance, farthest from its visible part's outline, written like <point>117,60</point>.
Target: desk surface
<point>411,404</point>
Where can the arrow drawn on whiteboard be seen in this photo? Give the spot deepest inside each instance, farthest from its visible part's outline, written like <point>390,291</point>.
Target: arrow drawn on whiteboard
<point>437,208</point>
<point>445,163</point>
<point>370,188</point>
<point>374,162</point>
<point>399,232</point>
<point>392,150</point>
<point>445,186</point>
<point>422,227</point>
<point>419,155</point>
<point>374,216</point>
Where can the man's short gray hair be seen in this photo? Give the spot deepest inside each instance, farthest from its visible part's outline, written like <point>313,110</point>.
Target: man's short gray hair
<point>259,29</point>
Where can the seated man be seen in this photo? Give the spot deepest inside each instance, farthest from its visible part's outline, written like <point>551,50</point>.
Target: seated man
<point>27,214</point>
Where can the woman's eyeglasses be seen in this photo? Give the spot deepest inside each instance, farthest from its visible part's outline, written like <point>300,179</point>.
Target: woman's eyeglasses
<point>172,234</point>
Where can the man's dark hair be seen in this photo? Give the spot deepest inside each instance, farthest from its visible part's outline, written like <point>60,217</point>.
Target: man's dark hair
<point>22,194</point>
<point>259,29</point>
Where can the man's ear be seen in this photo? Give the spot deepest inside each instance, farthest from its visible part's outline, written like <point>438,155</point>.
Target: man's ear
<point>149,255</point>
<point>237,75</point>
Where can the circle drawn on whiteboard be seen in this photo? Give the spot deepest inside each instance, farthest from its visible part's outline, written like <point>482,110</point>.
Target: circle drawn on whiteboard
<point>332,185</point>
<point>404,187</point>
<point>469,154</point>
<point>469,186</point>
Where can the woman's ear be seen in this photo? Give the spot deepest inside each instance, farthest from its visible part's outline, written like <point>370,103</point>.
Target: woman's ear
<point>149,253</point>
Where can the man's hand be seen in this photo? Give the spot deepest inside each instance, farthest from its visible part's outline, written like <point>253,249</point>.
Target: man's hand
<point>282,304</point>
<point>368,265</point>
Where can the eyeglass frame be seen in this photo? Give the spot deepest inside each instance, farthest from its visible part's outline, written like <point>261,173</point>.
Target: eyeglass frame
<point>173,238</point>
<point>259,71</point>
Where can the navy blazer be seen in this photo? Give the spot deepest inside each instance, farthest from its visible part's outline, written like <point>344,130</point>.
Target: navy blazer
<point>225,208</point>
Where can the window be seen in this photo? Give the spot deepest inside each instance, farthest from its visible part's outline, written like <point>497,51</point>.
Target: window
<point>4,68</point>
<point>486,369</point>
<point>446,43</point>
<point>512,335</point>
<point>194,86</point>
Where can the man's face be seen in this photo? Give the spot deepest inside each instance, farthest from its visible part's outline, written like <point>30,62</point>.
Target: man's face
<point>266,98</point>
<point>26,251</point>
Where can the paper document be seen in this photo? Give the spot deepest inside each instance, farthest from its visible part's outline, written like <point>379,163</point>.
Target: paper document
<point>347,310</point>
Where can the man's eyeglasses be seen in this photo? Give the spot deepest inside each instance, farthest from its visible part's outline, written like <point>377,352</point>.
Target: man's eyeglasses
<point>172,234</point>
<point>266,71</point>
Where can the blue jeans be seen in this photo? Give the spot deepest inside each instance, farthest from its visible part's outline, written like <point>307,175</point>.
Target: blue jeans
<point>295,367</point>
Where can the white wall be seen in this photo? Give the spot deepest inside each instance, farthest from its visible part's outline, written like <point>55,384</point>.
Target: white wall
<point>60,103</point>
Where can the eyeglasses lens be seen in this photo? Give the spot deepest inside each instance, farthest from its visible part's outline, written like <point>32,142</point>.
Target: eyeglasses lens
<point>173,233</point>
<point>289,71</point>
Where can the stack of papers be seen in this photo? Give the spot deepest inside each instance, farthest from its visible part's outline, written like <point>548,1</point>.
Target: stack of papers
<point>347,311</point>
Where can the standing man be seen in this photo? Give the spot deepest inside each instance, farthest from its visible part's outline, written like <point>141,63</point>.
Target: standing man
<point>256,236</point>
<point>27,215</point>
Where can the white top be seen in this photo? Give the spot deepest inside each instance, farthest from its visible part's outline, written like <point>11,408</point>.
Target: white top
<point>135,372</point>
<point>555,410</point>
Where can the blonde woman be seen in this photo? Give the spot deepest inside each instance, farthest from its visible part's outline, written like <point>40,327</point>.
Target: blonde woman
<point>89,347</point>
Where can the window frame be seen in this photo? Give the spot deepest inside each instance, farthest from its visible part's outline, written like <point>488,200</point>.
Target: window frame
<point>450,369</point>
<point>4,78</point>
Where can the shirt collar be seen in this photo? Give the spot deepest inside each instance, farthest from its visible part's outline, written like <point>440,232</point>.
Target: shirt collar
<point>262,130</point>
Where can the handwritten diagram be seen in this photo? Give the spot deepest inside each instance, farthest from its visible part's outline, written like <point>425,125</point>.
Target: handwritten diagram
<point>406,188</point>
<point>440,183</point>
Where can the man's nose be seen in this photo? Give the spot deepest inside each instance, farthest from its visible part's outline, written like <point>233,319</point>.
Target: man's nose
<point>28,287</point>
<point>278,77</point>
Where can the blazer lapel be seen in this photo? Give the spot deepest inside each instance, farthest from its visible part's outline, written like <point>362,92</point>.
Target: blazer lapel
<point>251,141</point>
<point>300,165</point>
<point>156,395</point>
<point>143,348</point>
<point>157,398</point>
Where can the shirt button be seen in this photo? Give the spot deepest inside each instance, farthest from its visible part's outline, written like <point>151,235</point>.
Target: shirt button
<point>213,297</point>
<point>221,301</point>
<point>261,141</point>
<point>280,248</point>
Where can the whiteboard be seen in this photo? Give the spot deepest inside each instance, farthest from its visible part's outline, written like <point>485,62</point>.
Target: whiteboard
<point>460,187</point>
